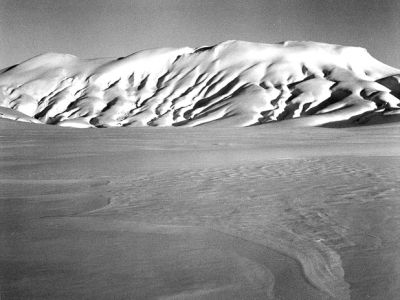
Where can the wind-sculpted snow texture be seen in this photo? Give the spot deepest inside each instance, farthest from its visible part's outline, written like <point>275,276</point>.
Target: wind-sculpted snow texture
<point>233,83</point>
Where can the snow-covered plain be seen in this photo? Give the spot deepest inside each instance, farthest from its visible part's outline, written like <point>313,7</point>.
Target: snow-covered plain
<point>282,210</point>
<point>233,83</point>
<point>239,213</point>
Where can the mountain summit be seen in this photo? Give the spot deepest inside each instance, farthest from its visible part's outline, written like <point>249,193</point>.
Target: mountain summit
<point>233,83</point>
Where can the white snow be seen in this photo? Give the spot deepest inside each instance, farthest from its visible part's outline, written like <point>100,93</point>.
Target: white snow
<point>233,83</point>
<point>224,213</point>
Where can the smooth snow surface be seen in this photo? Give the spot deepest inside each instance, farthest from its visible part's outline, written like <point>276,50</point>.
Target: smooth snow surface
<point>233,83</point>
<point>199,213</point>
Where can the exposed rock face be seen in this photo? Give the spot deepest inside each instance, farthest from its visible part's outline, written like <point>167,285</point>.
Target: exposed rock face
<point>233,83</point>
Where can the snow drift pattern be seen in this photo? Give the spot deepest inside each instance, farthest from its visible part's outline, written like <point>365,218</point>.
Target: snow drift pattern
<point>233,83</point>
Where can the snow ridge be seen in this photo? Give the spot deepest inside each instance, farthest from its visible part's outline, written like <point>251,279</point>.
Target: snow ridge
<point>233,83</point>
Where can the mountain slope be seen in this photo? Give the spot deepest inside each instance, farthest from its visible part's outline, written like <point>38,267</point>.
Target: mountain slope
<point>233,83</point>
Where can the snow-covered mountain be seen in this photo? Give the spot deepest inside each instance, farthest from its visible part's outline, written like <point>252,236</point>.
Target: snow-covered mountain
<point>233,83</point>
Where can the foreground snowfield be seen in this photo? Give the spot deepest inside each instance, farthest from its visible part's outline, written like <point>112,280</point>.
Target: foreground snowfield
<point>234,83</point>
<point>212,213</point>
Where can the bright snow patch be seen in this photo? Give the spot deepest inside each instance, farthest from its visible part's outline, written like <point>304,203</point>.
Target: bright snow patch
<point>233,83</point>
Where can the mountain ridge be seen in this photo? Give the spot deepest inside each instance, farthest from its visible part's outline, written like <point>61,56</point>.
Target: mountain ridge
<point>233,83</point>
